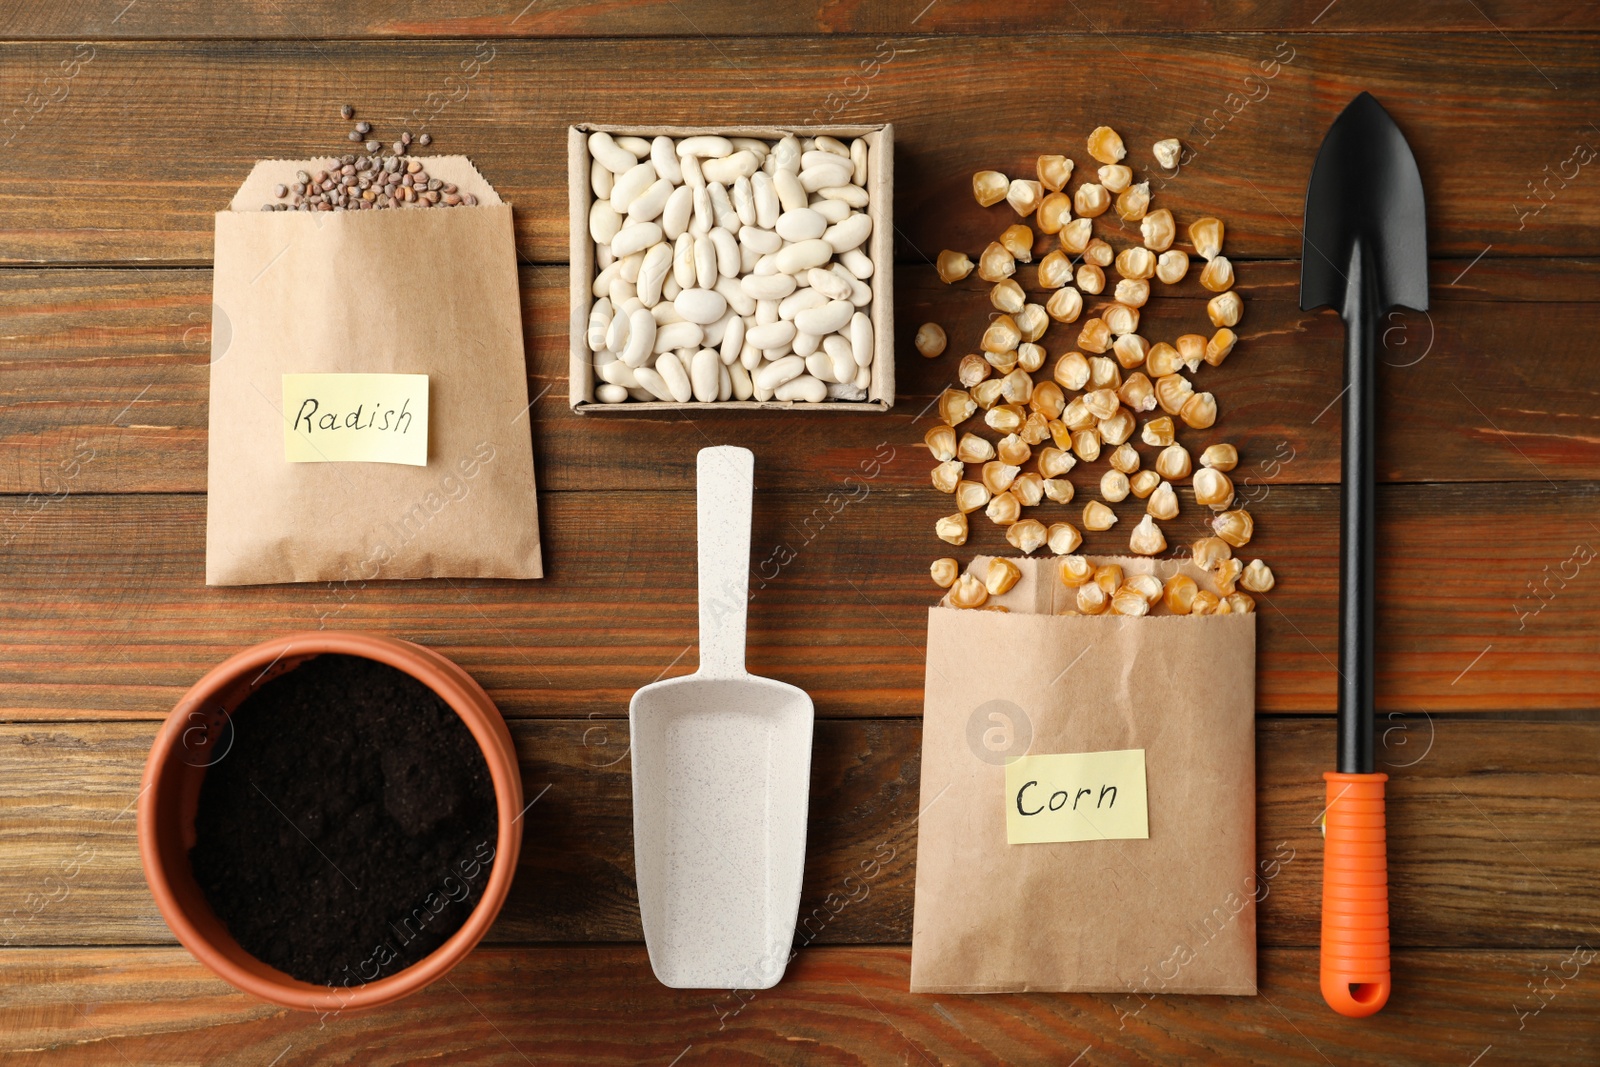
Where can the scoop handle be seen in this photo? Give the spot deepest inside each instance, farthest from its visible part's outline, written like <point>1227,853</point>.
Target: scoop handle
<point>726,482</point>
<point>1355,895</point>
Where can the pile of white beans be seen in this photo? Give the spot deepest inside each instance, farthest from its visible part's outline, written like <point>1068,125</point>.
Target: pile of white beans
<point>730,269</point>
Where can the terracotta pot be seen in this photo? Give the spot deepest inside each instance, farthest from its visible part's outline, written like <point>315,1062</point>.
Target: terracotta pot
<point>197,734</point>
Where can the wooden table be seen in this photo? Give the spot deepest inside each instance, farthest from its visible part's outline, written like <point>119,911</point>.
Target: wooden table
<point>131,123</point>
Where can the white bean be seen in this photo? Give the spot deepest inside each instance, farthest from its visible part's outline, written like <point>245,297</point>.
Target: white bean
<point>831,210</point>
<point>722,207</point>
<point>619,373</point>
<point>858,161</point>
<point>820,366</point>
<point>599,318</point>
<point>787,154</point>
<point>629,267</point>
<point>727,249</point>
<point>806,388</point>
<point>724,383</point>
<point>767,286</point>
<point>798,301</point>
<point>742,386</point>
<point>732,339</point>
<point>603,280</point>
<point>629,185</point>
<point>770,335</point>
<point>604,222</point>
<point>607,393</point>
<point>856,262</point>
<point>842,354</point>
<point>843,236</point>
<point>711,337</point>
<point>703,374</point>
<point>677,335</point>
<point>704,219</point>
<point>701,305</point>
<point>833,315</point>
<point>691,172</point>
<point>792,259</point>
<point>675,216</point>
<point>601,180</point>
<point>617,332</point>
<point>853,195</point>
<point>705,262</point>
<point>672,372</point>
<point>705,145</point>
<point>664,156</point>
<point>759,241</point>
<point>828,283</point>
<point>653,382</point>
<point>821,176</point>
<point>609,154</point>
<point>683,260</point>
<point>861,339</point>
<point>638,236</point>
<point>739,300</point>
<point>791,194</point>
<point>802,224</point>
<point>664,311</point>
<point>730,168</point>
<point>766,195</point>
<point>806,343</point>
<point>641,337</point>
<point>638,146</point>
<point>653,271</point>
<point>779,371</point>
<point>744,202</point>
<point>648,204</point>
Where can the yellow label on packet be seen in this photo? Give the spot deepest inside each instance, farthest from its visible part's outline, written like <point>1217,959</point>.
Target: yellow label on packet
<point>1076,796</point>
<point>356,418</point>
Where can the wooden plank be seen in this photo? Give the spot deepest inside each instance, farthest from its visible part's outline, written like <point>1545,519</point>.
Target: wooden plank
<point>104,387</point>
<point>956,102</point>
<point>600,1005</point>
<point>1482,601</point>
<point>78,19</point>
<point>1475,861</point>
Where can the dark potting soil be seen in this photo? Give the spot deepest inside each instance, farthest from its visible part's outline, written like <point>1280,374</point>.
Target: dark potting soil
<point>350,827</point>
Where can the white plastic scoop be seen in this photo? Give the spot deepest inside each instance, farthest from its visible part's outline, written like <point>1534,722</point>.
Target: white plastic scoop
<point>721,775</point>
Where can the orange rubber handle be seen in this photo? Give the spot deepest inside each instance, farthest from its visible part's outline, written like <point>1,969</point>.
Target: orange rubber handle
<point>1355,896</point>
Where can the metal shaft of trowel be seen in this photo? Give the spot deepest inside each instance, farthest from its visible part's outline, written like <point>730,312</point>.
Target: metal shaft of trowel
<point>1357,547</point>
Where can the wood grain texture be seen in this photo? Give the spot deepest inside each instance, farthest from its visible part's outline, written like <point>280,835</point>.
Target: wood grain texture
<point>170,19</point>
<point>956,102</point>
<point>1483,604</point>
<point>1474,860</point>
<point>1495,384</point>
<point>837,1006</point>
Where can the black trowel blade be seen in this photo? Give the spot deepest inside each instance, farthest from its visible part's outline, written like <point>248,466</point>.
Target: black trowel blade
<point>1365,189</point>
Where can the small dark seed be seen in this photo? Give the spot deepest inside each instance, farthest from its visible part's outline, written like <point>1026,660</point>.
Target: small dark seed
<point>469,200</point>
<point>354,136</point>
<point>280,191</point>
<point>426,139</point>
<point>373,146</point>
<point>405,138</point>
<point>347,111</point>
<point>363,127</point>
<point>399,149</point>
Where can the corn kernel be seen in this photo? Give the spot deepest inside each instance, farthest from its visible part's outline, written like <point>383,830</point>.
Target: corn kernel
<point>974,449</point>
<point>944,572</point>
<point>1059,490</point>
<point>1158,431</point>
<point>1096,516</point>
<point>1076,235</point>
<point>1018,240</point>
<point>1007,296</point>
<point>1206,236</point>
<point>1104,373</point>
<point>1209,551</point>
<point>1235,527</point>
<point>972,370</point>
<point>1116,177</point>
<point>1024,195</point>
<point>1217,275</point>
<point>1220,345</point>
<point>1131,350</point>
<point>987,392</point>
<point>1001,576</point>
<point>1036,429</point>
<point>1106,145</point>
<point>1053,462</point>
<point>996,263</point>
<point>1241,603</point>
<point>1108,576</point>
<point>1032,320</point>
<point>1124,458</point>
<point>952,528</point>
<point>1002,335</point>
<point>1178,593</point>
<point>1121,319</point>
<point>941,441</point>
<point>1047,399</point>
<point>1086,444</point>
<point>1076,416</point>
<point>1054,212</point>
<point>1028,489</point>
<point>1091,200</point>
<point>1167,151</point>
<point>989,187</point>
<point>1191,350</point>
<point>1017,387</point>
<point>1005,418</point>
<point>1172,392</point>
<point>1091,599</point>
<point>1158,230</point>
<point>1204,603</point>
<point>1163,503</point>
<point>1118,428</point>
<point>970,496</point>
<point>930,339</point>
<point>1162,360</point>
<point>956,406</point>
<point>1173,462</point>
<point>1226,573</point>
<point>947,474</point>
<point>953,266</point>
<point>1091,279</point>
<point>968,592</point>
<point>1133,202</point>
<point>998,475</point>
<point>1223,457</point>
<point>1072,371</point>
<point>1013,451</point>
<point>1027,535</point>
<point>1003,509</point>
<point>1225,309</point>
<point>1257,577</point>
<point>1134,292</point>
<point>1113,486</point>
<point>1075,570</point>
<point>1055,269</point>
<point>1146,585</point>
<point>1142,483</point>
<point>1199,412</point>
<point>1136,262</point>
<point>1054,172</point>
<point>1172,265</point>
<point>1065,305</point>
<point>1213,489</point>
<point>1137,392</point>
<point>1063,537</point>
<point>1126,601</point>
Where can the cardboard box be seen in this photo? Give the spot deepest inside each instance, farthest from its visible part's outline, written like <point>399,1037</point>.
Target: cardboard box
<point>880,247</point>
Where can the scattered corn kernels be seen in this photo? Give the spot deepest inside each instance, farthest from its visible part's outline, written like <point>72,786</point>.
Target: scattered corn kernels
<point>952,528</point>
<point>1097,517</point>
<point>930,339</point>
<point>1257,577</point>
<point>1001,576</point>
<point>1018,240</point>
<point>1090,200</point>
<point>996,263</point>
<point>1158,231</point>
<point>1063,537</point>
<point>1217,275</point>
<point>1054,172</point>
<point>1179,593</point>
<point>1075,570</point>
<point>1028,489</point>
<point>1114,486</point>
<point>1125,458</point>
<point>970,496</point>
<point>1167,151</point>
<point>1024,195</point>
<point>953,266</point>
<point>1223,457</point>
<point>1105,145</point>
<point>1199,412</point>
<point>1116,177</point>
<point>945,572</point>
<point>1059,490</point>
<point>1004,509</point>
<point>968,592</point>
<point>1235,527</point>
<point>956,406</point>
<point>972,370</point>
<point>1206,236</point>
<point>1158,432</point>
<point>1142,483</point>
<point>1065,305</point>
<point>1212,489</point>
<point>1163,503</point>
<point>1172,265</point>
<point>1091,599</point>
<point>1173,462</point>
<point>947,475</point>
<point>1133,202</point>
<point>1076,235</point>
<point>1209,551</point>
<point>1219,346</point>
<point>941,441</point>
<point>989,187</point>
<point>1027,535</point>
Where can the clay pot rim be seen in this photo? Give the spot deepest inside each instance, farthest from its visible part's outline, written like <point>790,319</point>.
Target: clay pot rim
<point>457,689</point>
